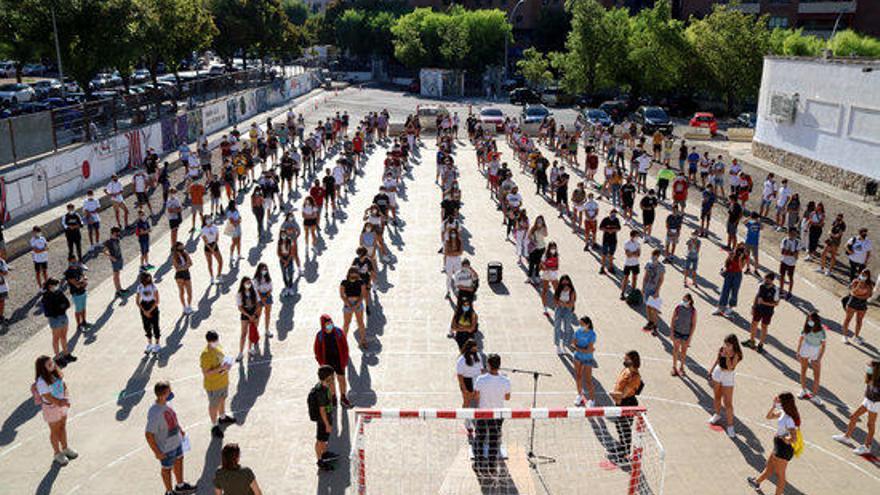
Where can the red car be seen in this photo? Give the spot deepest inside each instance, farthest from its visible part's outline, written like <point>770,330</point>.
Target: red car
<point>705,119</point>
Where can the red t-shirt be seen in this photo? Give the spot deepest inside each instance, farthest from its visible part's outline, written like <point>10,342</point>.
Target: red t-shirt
<point>317,194</point>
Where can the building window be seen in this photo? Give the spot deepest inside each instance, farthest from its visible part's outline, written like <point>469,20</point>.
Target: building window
<point>778,22</point>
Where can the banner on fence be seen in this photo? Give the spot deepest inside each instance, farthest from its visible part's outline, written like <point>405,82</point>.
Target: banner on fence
<point>215,117</point>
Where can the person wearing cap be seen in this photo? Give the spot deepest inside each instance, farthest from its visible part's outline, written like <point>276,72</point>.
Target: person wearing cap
<point>331,349</point>
<point>114,191</point>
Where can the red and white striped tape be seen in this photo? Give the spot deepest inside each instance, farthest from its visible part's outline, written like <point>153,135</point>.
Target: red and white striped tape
<point>504,413</point>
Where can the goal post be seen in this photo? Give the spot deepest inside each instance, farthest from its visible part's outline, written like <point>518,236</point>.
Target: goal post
<point>506,451</point>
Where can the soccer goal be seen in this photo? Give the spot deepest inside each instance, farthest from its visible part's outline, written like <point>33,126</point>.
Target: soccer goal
<point>607,450</point>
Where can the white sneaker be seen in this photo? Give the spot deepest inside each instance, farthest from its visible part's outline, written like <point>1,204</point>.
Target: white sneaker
<point>559,350</point>
<point>579,400</point>
<point>861,450</point>
<point>803,394</point>
<point>828,273</point>
<point>60,459</point>
<point>156,348</point>
<point>589,403</point>
<point>70,453</point>
<point>858,340</point>
<point>714,419</point>
<point>269,334</point>
<point>213,280</point>
<point>728,312</point>
<point>819,270</point>
<point>841,438</point>
<point>816,400</point>
<point>239,357</point>
<point>731,432</point>
<point>844,339</point>
<point>148,348</point>
<point>718,312</point>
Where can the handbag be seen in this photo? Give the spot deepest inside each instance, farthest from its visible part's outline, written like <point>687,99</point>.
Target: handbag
<point>228,230</point>
<point>253,333</point>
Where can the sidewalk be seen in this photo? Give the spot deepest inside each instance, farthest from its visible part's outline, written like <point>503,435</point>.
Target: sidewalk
<point>18,234</point>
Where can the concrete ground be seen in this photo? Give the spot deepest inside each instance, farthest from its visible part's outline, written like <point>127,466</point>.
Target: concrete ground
<point>411,363</point>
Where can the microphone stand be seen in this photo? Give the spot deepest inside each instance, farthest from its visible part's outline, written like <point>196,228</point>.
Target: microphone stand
<point>534,459</point>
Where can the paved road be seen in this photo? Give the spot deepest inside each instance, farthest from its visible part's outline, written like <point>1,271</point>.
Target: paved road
<point>412,363</point>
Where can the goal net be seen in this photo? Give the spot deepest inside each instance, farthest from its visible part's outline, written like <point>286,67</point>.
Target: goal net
<point>610,450</point>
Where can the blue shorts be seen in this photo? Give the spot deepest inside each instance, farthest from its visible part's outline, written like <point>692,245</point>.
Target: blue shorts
<point>584,360</point>
<point>117,265</point>
<point>144,243</point>
<point>753,249</point>
<point>79,302</point>
<point>57,322</point>
<point>266,299</point>
<point>171,458</point>
<point>690,264</point>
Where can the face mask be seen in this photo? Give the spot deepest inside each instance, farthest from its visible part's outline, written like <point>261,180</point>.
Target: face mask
<point>264,272</point>
<point>465,308</point>
<point>247,286</point>
<point>811,323</point>
<point>863,278</point>
<point>328,326</point>
<point>627,364</point>
<point>869,370</point>
<point>170,397</point>
<point>213,345</point>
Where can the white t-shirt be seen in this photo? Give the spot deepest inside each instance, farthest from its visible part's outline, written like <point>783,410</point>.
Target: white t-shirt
<point>262,287</point>
<point>792,245</point>
<point>3,268</point>
<point>644,162</point>
<point>56,389</point>
<point>147,292</point>
<point>472,371</point>
<point>464,278</point>
<point>91,206</point>
<point>114,189</point>
<point>782,195</point>
<point>631,245</point>
<point>492,389</point>
<point>210,233</point>
<point>140,183</point>
<point>592,209</point>
<point>784,424</point>
<point>514,200</point>
<point>860,249</point>
<point>769,189</point>
<point>39,242</point>
<point>338,174</point>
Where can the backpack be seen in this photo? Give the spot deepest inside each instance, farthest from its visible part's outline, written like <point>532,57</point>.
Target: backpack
<point>634,297</point>
<point>313,402</point>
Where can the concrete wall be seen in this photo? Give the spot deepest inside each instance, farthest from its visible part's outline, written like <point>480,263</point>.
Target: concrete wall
<point>837,120</point>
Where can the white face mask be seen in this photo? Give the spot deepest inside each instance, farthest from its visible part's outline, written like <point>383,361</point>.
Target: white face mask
<point>247,285</point>
<point>863,277</point>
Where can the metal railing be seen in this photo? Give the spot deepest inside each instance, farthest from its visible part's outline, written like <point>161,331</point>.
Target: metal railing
<point>35,134</point>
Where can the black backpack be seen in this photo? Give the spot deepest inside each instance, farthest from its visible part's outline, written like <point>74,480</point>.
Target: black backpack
<point>314,400</point>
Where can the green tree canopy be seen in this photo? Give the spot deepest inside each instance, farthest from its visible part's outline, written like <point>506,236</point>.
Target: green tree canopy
<point>534,67</point>
<point>171,30</point>
<point>851,44</point>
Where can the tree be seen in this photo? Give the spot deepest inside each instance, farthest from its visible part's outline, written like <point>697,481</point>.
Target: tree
<point>487,30</point>
<point>657,50</point>
<point>595,43</point>
<point>21,35</point>
<point>254,27</point>
<point>235,34</point>
<point>731,45</point>
<point>297,12</point>
<point>848,43</point>
<point>534,67</point>
<point>793,42</point>
<point>171,30</point>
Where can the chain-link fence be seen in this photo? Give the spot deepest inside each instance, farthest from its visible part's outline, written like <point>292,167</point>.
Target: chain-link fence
<point>35,134</point>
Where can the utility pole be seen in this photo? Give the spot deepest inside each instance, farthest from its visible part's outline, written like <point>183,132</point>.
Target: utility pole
<point>58,51</point>
<point>512,20</point>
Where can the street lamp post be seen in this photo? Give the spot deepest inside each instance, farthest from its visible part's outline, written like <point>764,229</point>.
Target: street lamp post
<point>512,19</point>
<point>58,53</point>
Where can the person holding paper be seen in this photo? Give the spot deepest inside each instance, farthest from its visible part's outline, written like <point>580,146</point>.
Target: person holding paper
<point>167,440</point>
<point>215,370</point>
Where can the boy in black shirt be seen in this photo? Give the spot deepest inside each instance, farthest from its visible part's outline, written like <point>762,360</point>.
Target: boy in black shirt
<point>609,226</point>
<point>321,412</point>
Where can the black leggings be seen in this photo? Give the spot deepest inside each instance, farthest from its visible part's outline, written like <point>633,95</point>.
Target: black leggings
<point>151,323</point>
<point>624,426</point>
<point>813,237</point>
<point>535,261</point>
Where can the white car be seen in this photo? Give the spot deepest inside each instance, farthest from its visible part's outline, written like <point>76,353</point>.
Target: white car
<point>428,116</point>
<point>492,116</point>
<point>16,93</point>
<point>7,69</point>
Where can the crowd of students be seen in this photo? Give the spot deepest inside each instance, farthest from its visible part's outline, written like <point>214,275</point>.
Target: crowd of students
<point>262,163</point>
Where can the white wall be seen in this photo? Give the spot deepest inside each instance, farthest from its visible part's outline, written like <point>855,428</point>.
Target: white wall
<point>838,112</point>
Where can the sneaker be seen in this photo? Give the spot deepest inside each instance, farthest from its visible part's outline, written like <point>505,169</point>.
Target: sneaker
<point>714,419</point>
<point>731,432</point>
<point>602,271</point>
<point>728,313</point>
<point>60,459</point>
<point>345,402</point>
<point>803,394</point>
<point>148,349</point>
<point>185,488</point>
<point>269,334</point>
<point>590,403</point>
<point>841,438</point>
<point>861,450</point>
<point>753,482</point>
<point>815,399</point>
<point>858,340</point>
<point>819,270</point>
<point>239,358</point>
<point>748,343</point>
<point>718,312</point>
<point>217,432</point>
<point>226,420</point>
<point>559,350</point>
<point>156,349</point>
<point>844,339</point>
<point>579,400</point>
<point>70,358</point>
<point>760,349</point>
<point>252,352</point>
<point>70,453</point>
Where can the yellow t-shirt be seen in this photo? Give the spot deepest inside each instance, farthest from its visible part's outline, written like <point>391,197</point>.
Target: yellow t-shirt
<point>210,359</point>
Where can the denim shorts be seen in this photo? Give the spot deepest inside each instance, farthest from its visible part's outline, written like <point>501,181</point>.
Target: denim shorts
<point>57,322</point>
<point>690,264</point>
<point>171,457</point>
<point>117,265</point>
<point>79,302</point>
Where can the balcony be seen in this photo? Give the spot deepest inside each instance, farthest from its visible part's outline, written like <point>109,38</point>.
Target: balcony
<point>827,7</point>
<point>749,7</point>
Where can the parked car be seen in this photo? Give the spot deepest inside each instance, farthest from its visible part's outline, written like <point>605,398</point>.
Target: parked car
<point>140,75</point>
<point>616,109</point>
<point>705,119</point>
<point>592,117</point>
<point>653,119</point>
<point>16,93</point>
<point>216,70</point>
<point>46,88</point>
<point>7,69</point>
<point>492,116</point>
<point>71,86</point>
<point>428,115</point>
<point>557,97</point>
<point>747,119</point>
<point>33,70</point>
<point>524,96</point>
<point>534,114</point>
